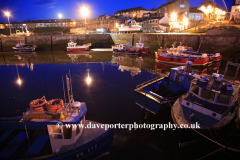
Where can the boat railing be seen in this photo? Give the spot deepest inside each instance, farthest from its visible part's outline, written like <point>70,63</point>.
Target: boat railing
<point>148,82</point>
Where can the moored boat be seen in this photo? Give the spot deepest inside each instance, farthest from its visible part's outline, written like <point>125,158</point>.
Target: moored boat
<point>212,101</point>
<point>24,47</point>
<point>125,49</point>
<point>159,92</point>
<point>176,56</point>
<point>54,134</point>
<point>141,48</point>
<point>73,47</point>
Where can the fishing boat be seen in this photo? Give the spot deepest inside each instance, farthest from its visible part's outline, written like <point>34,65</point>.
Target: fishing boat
<point>125,49</point>
<point>54,130</point>
<point>159,92</point>
<point>73,47</point>
<point>212,57</point>
<point>24,47</point>
<point>211,101</point>
<point>177,56</point>
<point>141,48</point>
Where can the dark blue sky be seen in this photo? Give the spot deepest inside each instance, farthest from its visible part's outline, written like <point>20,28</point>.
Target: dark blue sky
<point>49,9</point>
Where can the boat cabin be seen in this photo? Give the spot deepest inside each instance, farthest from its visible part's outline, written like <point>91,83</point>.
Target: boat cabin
<point>72,44</point>
<point>139,45</point>
<point>120,46</point>
<point>60,134</point>
<point>212,95</point>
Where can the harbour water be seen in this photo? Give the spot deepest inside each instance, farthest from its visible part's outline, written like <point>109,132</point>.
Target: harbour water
<point>109,98</point>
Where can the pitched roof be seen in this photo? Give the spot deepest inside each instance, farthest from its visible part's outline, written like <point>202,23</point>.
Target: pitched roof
<point>207,3</point>
<point>131,9</point>
<point>195,10</point>
<point>234,3</point>
<point>168,3</point>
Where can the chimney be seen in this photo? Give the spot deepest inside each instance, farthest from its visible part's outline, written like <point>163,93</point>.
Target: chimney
<point>44,20</point>
<point>168,1</point>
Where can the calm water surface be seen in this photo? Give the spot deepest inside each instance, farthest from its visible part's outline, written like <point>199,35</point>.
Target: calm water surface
<point>109,96</point>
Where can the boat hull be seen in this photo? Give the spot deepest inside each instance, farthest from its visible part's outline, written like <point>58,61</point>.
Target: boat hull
<point>180,115</point>
<point>144,50</point>
<point>69,49</point>
<point>24,49</point>
<point>96,148</point>
<point>215,59</point>
<point>180,61</point>
<point>125,51</point>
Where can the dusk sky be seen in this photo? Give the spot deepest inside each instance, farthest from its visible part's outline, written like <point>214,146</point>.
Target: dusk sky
<point>49,9</point>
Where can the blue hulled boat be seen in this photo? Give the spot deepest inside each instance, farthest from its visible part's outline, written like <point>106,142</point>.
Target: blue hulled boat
<point>212,101</point>
<point>154,94</point>
<point>53,130</point>
<point>125,49</point>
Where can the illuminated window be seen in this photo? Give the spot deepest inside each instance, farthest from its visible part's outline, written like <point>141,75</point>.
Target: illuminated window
<point>191,16</point>
<point>198,16</point>
<point>182,5</point>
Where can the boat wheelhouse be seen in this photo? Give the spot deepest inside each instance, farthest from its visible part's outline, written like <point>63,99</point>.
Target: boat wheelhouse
<point>158,92</point>
<point>141,48</point>
<point>126,49</point>
<point>211,101</point>
<point>54,130</point>
<point>176,56</point>
<point>73,47</point>
<point>24,47</point>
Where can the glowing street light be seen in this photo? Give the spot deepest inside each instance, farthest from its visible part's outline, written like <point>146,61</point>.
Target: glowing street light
<point>8,15</point>
<point>60,15</point>
<point>84,12</point>
<point>174,16</point>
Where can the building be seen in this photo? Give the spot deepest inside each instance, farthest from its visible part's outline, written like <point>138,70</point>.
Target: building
<point>235,12</point>
<point>2,26</point>
<point>212,11</point>
<point>156,24</point>
<point>174,6</point>
<point>106,22</point>
<point>178,22</point>
<point>195,14</point>
<point>42,23</point>
<point>137,12</point>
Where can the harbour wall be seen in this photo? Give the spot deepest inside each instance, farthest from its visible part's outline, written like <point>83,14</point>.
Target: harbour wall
<point>207,43</point>
<point>56,42</point>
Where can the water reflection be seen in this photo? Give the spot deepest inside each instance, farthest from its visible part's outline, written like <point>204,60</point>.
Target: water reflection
<point>19,80</point>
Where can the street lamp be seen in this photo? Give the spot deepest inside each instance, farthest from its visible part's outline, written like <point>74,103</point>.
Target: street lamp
<point>60,15</point>
<point>8,14</point>
<point>84,11</point>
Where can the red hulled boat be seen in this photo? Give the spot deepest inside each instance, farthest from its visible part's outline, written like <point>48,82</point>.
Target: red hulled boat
<point>176,56</point>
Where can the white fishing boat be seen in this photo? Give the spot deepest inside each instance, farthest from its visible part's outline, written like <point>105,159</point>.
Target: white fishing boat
<point>73,47</point>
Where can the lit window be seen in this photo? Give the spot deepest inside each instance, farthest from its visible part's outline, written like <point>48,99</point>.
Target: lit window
<point>182,5</point>
<point>198,16</point>
<point>191,16</point>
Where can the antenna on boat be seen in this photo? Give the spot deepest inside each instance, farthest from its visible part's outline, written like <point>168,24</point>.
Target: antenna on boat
<point>64,91</point>
<point>189,62</point>
<point>68,86</point>
<point>71,84</point>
